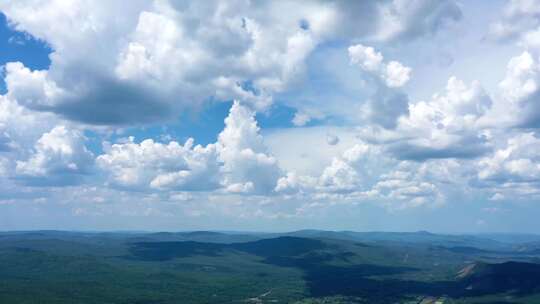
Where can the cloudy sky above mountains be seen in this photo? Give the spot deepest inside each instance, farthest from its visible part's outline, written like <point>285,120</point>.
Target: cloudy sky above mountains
<point>270,115</point>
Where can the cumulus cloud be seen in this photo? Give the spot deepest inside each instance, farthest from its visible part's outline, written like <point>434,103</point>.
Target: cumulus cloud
<point>362,174</point>
<point>203,51</point>
<point>387,104</point>
<point>447,126</point>
<point>238,162</point>
<point>518,161</point>
<point>161,166</point>
<point>520,91</point>
<point>403,189</point>
<point>244,154</point>
<point>29,88</point>
<point>293,183</point>
<point>20,130</point>
<point>60,157</point>
<point>396,74</point>
<point>513,170</point>
<point>351,170</point>
<point>366,57</point>
<point>393,73</point>
<point>149,76</point>
<point>20,127</point>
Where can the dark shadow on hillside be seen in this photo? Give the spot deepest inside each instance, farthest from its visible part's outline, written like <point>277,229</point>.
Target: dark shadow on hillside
<point>324,280</point>
<point>519,278</point>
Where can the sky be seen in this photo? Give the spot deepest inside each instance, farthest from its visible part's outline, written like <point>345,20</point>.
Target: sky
<point>386,115</point>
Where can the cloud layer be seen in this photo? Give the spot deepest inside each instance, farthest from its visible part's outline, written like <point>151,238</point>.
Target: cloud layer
<point>358,127</point>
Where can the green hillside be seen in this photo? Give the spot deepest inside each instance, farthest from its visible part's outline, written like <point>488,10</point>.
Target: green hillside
<point>208,267</point>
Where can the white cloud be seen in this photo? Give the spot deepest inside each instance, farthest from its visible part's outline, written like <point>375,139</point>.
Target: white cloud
<point>350,171</point>
<point>294,182</point>
<point>401,189</point>
<point>446,126</point>
<point>393,73</point>
<point>20,127</point>
<point>242,50</point>
<point>30,88</point>
<point>520,90</point>
<point>60,157</point>
<point>366,57</point>
<point>340,176</point>
<point>519,161</point>
<point>244,154</point>
<point>162,166</point>
<point>387,104</point>
<point>238,161</point>
<point>153,74</point>
<point>204,50</point>
<point>396,74</point>
<point>517,106</point>
<point>520,80</point>
<point>363,174</point>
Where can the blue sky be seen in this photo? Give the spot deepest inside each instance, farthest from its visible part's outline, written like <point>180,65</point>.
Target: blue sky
<point>18,46</point>
<point>236,115</point>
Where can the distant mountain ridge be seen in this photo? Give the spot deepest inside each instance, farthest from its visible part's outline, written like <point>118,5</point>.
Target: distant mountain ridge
<point>525,243</point>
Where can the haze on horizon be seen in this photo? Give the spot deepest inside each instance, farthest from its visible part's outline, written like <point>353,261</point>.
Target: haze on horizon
<point>270,115</point>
